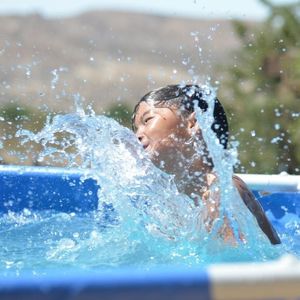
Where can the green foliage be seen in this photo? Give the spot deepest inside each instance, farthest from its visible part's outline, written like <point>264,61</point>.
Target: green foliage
<point>14,113</point>
<point>15,116</point>
<point>263,92</point>
<point>120,112</point>
<point>12,118</point>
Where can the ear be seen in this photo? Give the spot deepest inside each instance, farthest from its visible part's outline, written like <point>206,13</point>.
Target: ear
<point>192,124</point>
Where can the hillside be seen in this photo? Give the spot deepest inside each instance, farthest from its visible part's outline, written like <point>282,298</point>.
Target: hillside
<point>105,56</point>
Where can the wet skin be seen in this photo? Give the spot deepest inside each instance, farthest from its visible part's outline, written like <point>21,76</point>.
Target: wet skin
<point>164,133</point>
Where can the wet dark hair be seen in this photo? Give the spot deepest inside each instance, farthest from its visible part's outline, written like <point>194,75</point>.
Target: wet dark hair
<point>183,97</point>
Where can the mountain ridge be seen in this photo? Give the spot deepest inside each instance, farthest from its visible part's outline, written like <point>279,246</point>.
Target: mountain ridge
<point>106,56</point>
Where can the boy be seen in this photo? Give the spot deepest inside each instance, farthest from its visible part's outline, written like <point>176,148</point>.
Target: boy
<point>165,123</point>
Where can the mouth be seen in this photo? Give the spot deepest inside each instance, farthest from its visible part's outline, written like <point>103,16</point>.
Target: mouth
<point>146,146</point>
<point>149,150</point>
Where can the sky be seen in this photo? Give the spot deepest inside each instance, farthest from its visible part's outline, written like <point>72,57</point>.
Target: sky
<point>249,9</point>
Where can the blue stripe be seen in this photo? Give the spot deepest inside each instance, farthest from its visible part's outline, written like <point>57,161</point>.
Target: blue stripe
<point>46,188</point>
<point>167,284</point>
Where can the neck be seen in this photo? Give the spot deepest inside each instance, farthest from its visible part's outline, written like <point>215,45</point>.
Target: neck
<point>190,166</point>
<point>193,180</point>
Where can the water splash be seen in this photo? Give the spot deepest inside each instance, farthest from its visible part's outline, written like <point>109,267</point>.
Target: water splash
<point>55,73</point>
<point>111,154</point>
<point>223,161</point>
<point>152,222</point>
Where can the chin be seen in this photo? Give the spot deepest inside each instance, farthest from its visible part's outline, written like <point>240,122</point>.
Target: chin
<point>154,156</point>
<point>165,163</point>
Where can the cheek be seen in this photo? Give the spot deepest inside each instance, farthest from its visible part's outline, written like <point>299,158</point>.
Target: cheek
<point>164,129</point>
<point>156,131</point>
<point>170,145</point>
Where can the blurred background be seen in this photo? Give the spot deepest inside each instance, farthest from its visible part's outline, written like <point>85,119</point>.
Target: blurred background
<point>112,52</point>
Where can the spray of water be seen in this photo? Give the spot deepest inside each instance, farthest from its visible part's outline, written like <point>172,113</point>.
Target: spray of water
<point>230,205</point>
<point>153,223</point>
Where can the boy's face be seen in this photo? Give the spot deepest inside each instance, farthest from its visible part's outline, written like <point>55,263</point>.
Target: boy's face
<point>163,132</point>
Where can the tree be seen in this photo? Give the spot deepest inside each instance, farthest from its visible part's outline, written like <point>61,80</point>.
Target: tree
<point>262,91</point>
<point>121,112</point>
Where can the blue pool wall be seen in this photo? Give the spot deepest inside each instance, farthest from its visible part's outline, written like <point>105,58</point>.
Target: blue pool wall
<point>40,188</point>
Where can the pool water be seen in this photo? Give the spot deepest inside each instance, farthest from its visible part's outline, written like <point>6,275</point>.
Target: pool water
<point>37,242</point>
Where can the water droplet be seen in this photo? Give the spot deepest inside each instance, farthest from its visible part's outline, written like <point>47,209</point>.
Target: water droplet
<point>76,235</point>
<point>26,212</point>
<point>295,115</point>
<point>275,140</point>
<point>56,76</point>
<point>191,72</point>
<point>194,33</point>
<point>184,62</point>
<point>277,112</point>
<point>9,264</point>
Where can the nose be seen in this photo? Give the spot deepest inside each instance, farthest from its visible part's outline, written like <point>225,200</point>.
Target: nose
<point>141,137</point>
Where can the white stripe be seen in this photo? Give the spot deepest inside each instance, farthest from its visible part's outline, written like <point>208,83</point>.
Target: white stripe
<point>272,183</point>
<point>256,281</point>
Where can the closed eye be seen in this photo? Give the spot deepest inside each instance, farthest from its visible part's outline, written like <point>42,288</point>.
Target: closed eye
<point>148,119</point>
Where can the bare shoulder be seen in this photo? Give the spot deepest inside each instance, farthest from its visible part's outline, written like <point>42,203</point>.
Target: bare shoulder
<point>247,196</point>
<point>256,209</point>
<point>241,186</point>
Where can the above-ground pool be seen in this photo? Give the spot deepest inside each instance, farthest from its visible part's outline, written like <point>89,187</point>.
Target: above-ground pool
<point>39,189</point>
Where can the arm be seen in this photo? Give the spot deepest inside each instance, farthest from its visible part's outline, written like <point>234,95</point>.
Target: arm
<point>211,199</point>
<point>255,208</point>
